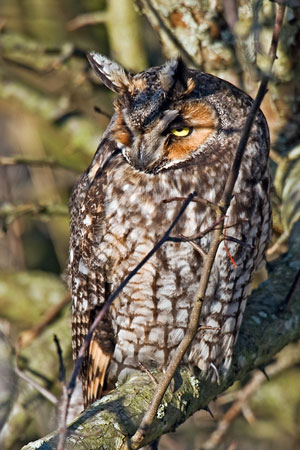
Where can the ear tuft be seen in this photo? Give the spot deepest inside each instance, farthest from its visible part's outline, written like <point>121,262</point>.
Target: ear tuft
<point>182,75</point>
<point>167,74</point>
<point>174,72</point>
<point>110,73</point>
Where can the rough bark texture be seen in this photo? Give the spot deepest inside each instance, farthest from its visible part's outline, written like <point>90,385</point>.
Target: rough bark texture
<point>266,329</point>
<point>231,39</point>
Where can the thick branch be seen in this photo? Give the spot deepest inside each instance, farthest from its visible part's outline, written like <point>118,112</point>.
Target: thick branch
<point>9,212</point>
<point>265,331</point>
<point>20,160</point>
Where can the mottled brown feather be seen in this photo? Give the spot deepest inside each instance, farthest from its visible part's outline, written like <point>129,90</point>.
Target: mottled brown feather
<point>118,214</point>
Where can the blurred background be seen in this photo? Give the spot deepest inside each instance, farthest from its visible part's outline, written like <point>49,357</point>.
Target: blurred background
<point>53,111</point>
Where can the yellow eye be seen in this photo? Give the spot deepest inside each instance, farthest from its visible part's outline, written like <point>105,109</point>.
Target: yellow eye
<point>181,132</point>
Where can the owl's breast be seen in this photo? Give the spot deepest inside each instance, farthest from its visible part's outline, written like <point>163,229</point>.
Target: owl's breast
<point>138,209</point>
<point>151,314</point>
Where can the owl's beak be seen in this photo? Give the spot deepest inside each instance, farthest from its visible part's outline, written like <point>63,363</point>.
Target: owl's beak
<point>145,156</point>
<point>139,160</point>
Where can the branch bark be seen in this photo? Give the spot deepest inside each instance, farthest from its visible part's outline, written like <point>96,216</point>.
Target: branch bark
<point>109,423</point>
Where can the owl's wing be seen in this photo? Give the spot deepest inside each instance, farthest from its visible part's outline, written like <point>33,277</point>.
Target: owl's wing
<point>87,281</point>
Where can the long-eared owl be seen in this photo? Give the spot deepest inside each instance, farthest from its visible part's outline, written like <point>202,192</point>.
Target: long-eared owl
<point>174,131</point>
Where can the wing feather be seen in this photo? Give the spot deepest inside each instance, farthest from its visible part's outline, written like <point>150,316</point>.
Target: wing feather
<point>88,285</point>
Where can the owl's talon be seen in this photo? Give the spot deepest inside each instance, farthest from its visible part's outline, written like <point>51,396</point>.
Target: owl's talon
<point>207,409</point>
<point>216,372</point>
<point>263,370</point>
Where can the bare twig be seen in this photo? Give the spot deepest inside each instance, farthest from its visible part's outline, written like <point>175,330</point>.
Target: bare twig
<point>198,249</point>
<point>237,241</point>
<point>103,113</point>
<point>202,201</point>
<point>9,212</point>
<point>26,337</point>
<point>21,160</point>
<point>44,392</point>
<point>192,328</point>
<point>63,431</point>
<point>282,363</point>
<point>150,375</point>
<point>170,34</point>
<point>65,404</point>
<point>200,234</point>
<point>62,370</point>
<point>111,298</point>
<point>190,334</point>
<point>83,20</point>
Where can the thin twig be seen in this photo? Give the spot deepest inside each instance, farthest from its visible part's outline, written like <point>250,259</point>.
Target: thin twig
<point>192,328</point>
<point>170,34</point>
<point>111,298</point>
<point>243,396</point>
<point>198,249</point>
<point>44,392</point>
<point>64,404</point>
<point>237,241</point>
<point>83,20</point>
<point>202,201</point>
<point>9,212</point>
<point>63,431</point>
<point>150,375</point>
<point>21,160</point>
<point>26,337</point>
<point>183,346</point>
<point>62,370</point>
<point>199,235</point>
<point>103,113</point>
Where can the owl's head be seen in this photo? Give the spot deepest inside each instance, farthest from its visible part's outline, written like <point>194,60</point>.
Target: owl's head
<point>164,116</point>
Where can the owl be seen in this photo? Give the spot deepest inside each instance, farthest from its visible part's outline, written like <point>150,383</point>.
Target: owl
<point>174,131</point>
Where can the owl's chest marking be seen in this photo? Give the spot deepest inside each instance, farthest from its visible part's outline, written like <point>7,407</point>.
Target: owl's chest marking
<point>151,314</point>
<point>178,131</point>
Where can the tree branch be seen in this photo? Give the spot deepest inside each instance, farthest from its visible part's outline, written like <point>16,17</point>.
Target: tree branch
<point>156,408</point>
<point>10,212</point>
<point>109,422</point>
<point>284,361</point>
<point>21,160</point>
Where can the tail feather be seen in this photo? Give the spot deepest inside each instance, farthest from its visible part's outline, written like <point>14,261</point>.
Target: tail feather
<point>97,367</point>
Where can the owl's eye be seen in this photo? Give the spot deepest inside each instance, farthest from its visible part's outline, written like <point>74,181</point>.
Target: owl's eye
<point>181,131</point>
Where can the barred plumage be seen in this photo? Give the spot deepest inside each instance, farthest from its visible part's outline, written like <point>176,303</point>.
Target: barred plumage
<point>174,131</point>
